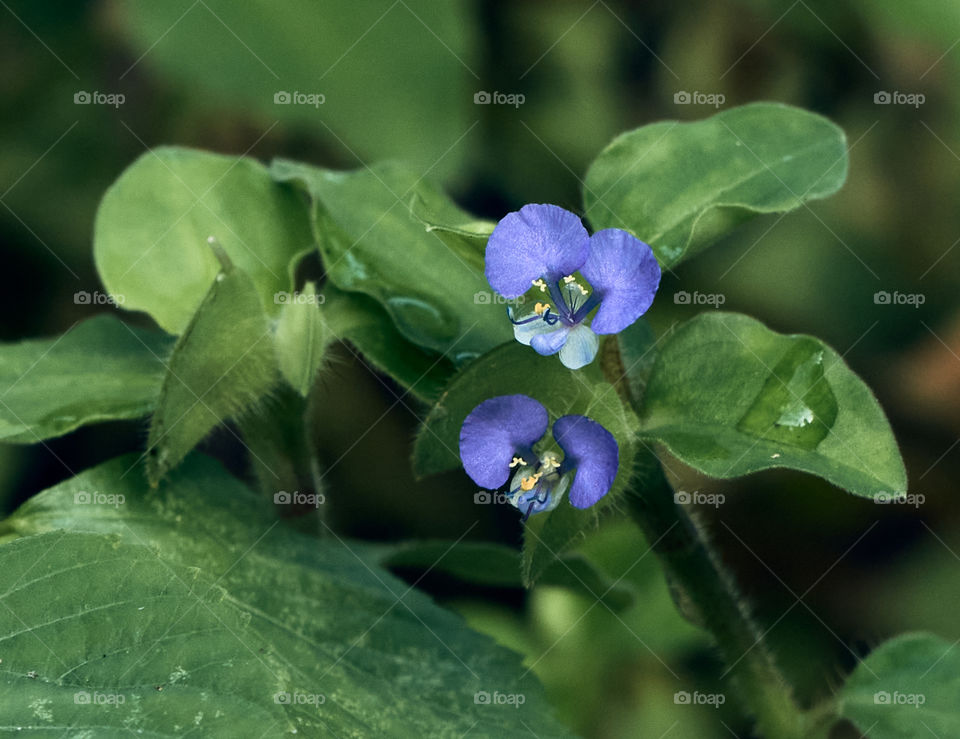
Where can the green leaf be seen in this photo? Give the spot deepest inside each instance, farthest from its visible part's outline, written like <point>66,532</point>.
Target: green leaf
<point>198,607</point>
<point>150,238</point>
<point>514,368</point>
<point>371,243</point>
<point>496,565</point>
<point>100,370</point>
<point>360,320</point>
<point>396,77</point>
<point>222,364</point>
<point>680,186</point>
<point>729,396</point>
<point>300,338</point>
<point>906,688</point>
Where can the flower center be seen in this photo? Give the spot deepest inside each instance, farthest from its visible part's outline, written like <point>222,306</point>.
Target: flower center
<point>534,489</point>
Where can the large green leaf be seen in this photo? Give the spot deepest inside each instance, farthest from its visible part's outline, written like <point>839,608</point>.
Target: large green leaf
<point>514,368</point>
<point>679,186</point>
<point>150,239</point>
<point>222,364</point>
<point>729,396</point>
<point>372,243</point>
<point>906,688</point>
<point>100,370</point>
<point>198,607</point>
<point>394,76</point>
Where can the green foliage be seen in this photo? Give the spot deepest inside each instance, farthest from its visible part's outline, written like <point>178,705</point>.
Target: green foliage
<point>360,320</point>
<point>194,603</point>
<point>389,73</point>
<point>906,688</point>
<point>100,370</point>
<point>680,186</point>
<point>486,563</point>
<point>729,396</point>
<point>371,243</point>
<point>300,338</point>
<point>222,364</point>
<point>150,240</point>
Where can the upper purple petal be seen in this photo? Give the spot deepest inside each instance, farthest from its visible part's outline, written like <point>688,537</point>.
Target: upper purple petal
<point>536,241</point>
<point>495,431</point>
<point>624,274</point>
<point>593,451</point>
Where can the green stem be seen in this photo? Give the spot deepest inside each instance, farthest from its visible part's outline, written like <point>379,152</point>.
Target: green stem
<point>282,455</point>
<point>710,592</point>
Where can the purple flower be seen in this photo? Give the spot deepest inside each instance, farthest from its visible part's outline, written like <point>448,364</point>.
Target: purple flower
<point>496,446</point>
<point>542,246</point>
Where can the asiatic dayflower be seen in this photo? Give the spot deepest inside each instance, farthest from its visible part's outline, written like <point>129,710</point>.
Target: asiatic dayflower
<point>496,447</point>
<point>543,246</point>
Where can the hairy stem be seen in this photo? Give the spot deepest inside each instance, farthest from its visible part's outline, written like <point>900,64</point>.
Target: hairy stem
<point>710,592</point>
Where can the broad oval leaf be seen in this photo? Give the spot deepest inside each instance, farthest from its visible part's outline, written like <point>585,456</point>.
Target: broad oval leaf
<point>371,242</point>
<point>906,688</point>
<point>99,370</point>
<point>679,186</point>
<point>222,364</point>
<point>209,616</point>
<point>150,237</point>
<point>514,368</point>
<point>729,396</point>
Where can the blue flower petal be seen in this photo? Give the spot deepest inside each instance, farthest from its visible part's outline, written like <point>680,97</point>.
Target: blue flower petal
<point>551,343</point>
<point>495,431</point>
<point>624,274</point>
<point>580,347</point>
<point>536,241</point>
<point>525,332</point>
<point>593,451</point>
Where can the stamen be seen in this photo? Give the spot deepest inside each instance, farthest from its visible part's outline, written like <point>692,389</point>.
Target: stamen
<point>527,483</point>
<point>540,283</point>
<point>550,462</point>
<point>518,461</point>
<point>541,308</point>
<point>568,279</point>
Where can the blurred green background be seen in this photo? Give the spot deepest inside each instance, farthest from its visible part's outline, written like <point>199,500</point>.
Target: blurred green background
<point>831,575</point>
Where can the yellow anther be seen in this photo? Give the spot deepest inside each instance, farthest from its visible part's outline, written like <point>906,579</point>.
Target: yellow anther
<point>568,279</point>
<point>541,308</point>
<point>551,462</point>
<point>516,461</point>
<point>541,284</point>
<point>527,483</point>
